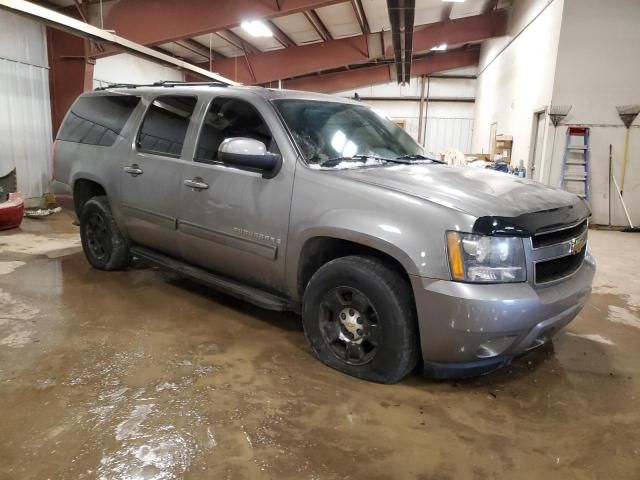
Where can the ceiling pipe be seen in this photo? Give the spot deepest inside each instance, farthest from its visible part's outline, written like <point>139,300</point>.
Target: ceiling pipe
<point>82,29</point>
<point>401,16</point>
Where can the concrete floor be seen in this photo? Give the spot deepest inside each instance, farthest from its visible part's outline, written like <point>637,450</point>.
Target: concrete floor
<point>141,375</point>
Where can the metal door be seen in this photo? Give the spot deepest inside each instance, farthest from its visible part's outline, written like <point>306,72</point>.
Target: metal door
<point>234,221</point>
<point>152,175</point>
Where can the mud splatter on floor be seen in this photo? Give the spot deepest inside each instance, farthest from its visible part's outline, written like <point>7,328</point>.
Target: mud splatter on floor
<point>142,375</point>
<point>8,267</point>
<point>29,244</point>
<point>594,337</point>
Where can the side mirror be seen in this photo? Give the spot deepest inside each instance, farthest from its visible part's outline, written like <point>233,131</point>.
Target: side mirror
<point>251,154</point>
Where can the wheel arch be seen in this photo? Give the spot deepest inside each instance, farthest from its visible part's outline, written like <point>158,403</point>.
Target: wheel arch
<point>322,247</point>
<point>83,190</point>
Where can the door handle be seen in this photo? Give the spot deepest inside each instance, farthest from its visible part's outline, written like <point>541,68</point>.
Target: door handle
<point>197,184</point>
<point>133,170</point>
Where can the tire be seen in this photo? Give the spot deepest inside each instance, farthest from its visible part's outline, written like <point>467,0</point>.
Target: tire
<point>359,317</point>
<point>103,244</point>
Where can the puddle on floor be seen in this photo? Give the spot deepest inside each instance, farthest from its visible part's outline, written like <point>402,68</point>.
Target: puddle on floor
<point>141,375</point>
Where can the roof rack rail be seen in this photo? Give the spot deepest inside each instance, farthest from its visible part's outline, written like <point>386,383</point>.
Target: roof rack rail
<point>118,85</point>
<point>165,83</point>
<point>172,83</point>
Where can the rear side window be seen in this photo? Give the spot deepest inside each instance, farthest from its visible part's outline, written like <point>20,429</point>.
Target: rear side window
<point>165,125</point>
<point>98,120</point>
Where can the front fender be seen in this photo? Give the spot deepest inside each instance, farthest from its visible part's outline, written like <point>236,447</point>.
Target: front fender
<point>407,228</point>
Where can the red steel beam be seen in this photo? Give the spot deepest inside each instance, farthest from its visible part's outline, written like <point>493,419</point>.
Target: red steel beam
<point>305,59</point>
<point>338,81</point>
<point>461,30</point>
<point>294,61</point>
<point>152,22</point>
<point>70,72</point>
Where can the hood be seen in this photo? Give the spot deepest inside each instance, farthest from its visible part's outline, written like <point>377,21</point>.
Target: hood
<point>478,192</point>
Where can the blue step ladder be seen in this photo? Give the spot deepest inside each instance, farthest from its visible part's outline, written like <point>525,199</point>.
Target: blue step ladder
<point>575,162</point>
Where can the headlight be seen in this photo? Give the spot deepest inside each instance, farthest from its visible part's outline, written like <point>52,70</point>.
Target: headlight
<point>484,259</point>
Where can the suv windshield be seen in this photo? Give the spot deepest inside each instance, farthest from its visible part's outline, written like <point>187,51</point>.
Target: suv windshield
<point>332,134</point>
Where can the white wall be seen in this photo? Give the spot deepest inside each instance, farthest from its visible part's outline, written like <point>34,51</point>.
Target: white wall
<point>125,68</point>
<point>449,124</point>
<point>516,75</point>
<point>598,68</point>
<point>25,111</point>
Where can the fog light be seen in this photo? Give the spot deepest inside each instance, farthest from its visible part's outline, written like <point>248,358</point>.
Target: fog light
<point>494,346</point>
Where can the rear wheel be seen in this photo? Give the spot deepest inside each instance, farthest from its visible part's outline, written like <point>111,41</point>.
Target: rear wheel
<point>103,244</point>
<point>359,318</point>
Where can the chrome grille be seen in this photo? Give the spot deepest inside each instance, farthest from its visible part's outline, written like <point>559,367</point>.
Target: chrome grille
<point>558,268</point>
<point>559,235</point>
<point>559,253</point>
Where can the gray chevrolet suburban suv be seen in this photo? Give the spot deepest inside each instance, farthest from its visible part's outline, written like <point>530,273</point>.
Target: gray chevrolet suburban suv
<point>320,205</point>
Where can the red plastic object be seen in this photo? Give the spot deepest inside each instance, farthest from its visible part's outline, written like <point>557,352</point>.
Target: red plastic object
<point>11,211</point>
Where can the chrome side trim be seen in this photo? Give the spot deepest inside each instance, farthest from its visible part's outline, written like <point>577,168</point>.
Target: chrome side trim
<point>160,219</point>
<point>223,238</point>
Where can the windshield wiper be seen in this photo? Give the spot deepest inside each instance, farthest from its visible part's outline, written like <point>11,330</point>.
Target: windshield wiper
<point>404,159</point>
<point>332,162</point>
<point>415,157</point>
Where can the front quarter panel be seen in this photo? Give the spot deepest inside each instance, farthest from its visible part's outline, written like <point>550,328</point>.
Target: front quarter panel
<point>410,229</point>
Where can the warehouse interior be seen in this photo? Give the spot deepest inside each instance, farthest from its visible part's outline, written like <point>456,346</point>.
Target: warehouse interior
<point>147,373</point>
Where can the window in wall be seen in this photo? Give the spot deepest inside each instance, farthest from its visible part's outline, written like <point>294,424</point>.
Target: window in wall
<point>230,117</point>
<point>98,119</point>
<point>165,125</point>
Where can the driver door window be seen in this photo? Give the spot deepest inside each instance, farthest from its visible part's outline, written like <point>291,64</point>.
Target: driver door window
<point>227,118</point>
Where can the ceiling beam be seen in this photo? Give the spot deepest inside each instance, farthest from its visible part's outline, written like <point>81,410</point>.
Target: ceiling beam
<point>279,35</point>
<point>361,77</point>
<point>197,48</point>
<point>81,29</point>
<point>166,52</point>
<point>490,5</point>
<point>306,59</point>
<point>361,16</point>
<point>446,11</point>
<point>167,20</point>
<point>238,42</point>
<point>318,26</point>
<point>461,30</point>
<point>295,61</point>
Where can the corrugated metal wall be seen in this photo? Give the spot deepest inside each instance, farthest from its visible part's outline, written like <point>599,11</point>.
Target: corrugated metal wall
<point>25,110</point>
<point>446,133</point>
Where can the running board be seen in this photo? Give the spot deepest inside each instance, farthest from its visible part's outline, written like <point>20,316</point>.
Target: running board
<point>233,288</point>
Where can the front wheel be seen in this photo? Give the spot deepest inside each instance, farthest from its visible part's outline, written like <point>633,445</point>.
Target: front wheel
<point>359,318</point>
<point>104,245</point>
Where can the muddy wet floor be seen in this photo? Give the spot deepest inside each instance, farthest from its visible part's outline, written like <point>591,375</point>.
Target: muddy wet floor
<point>142,375</point>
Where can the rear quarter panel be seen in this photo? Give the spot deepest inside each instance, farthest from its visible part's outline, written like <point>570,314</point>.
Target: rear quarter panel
<point>101,164</point>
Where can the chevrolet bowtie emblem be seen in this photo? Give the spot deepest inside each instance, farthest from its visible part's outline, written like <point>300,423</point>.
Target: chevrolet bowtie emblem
<point>577,244</point>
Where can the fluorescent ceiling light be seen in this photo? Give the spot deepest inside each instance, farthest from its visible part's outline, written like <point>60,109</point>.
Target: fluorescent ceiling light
<point>440,48</point>
<point>453,1</point>
<point>256,28</point>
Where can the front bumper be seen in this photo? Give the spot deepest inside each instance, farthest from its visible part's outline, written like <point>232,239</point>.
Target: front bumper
<point>469,329</point>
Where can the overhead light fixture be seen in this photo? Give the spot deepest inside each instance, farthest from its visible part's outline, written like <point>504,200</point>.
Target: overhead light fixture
<point>439,48</point>
<point>256,28</point>
<point>453,1</point>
